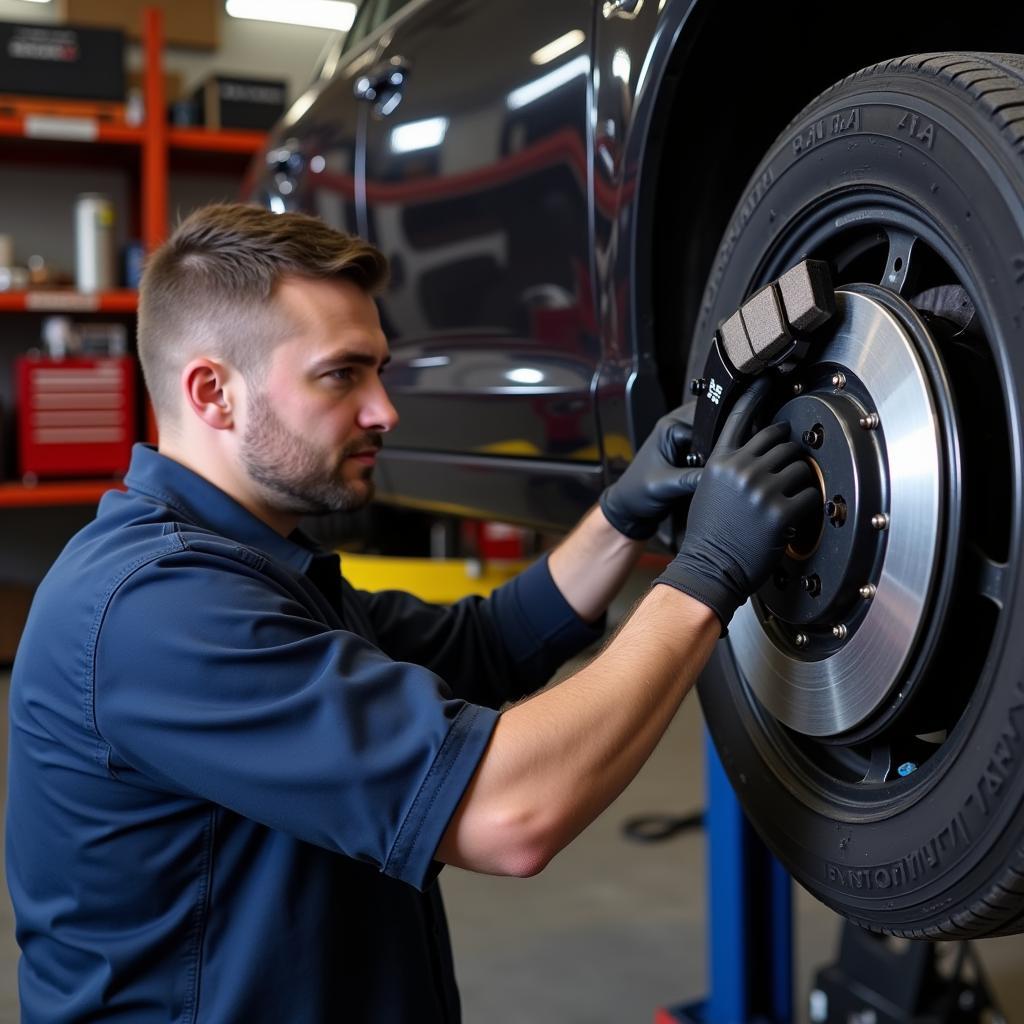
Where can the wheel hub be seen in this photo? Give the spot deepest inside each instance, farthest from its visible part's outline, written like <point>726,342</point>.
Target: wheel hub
<point>824,643</point>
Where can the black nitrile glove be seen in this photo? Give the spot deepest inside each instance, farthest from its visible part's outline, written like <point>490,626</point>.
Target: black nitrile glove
<point>744,512</point>
<point>655,482</point>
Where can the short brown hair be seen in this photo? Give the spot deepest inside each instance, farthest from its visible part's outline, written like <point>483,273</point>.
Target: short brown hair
<point>208,288</point>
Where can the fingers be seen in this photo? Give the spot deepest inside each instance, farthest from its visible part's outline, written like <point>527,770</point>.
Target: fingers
<point>765,440</point>
<point>797,476</point>
<point>687,481</point>
<point>739,420</point>
<point>679,436</point>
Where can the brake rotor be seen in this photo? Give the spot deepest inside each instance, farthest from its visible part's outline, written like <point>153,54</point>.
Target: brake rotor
<point>823,644</point>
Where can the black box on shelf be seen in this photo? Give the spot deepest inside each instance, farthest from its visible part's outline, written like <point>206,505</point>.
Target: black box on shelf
<point>62,60</point>
<point>253,103</point>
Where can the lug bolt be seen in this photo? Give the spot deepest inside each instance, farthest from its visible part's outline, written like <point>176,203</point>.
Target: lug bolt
<point>798,389</point>
<point>880,521</point>
<point>835,510</point>
<point>694,459</point>
<point>839,632</point>
<point>870,422</point>
<point>698,386</point>
<point>839,380</point>
<point>813,437</point>
<point>800,639</point>
<point>812,584</point>
<point>867,591</point>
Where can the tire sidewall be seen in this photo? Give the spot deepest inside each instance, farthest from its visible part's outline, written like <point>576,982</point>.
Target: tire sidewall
<point>932,146</point>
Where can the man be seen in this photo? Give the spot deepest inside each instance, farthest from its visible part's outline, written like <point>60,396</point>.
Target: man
<point>233,778</point>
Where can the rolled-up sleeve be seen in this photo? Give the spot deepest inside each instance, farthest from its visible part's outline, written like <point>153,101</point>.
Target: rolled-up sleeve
<point>211,681</point>
<point>489,650</point>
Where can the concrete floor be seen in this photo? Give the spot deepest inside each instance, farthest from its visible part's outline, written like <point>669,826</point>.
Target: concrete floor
<point>611,930</point>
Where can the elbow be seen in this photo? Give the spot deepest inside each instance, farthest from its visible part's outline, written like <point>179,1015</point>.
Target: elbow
<point>525,845</point>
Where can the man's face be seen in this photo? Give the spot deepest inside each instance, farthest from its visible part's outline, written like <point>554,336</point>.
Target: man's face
<point>313,422</point>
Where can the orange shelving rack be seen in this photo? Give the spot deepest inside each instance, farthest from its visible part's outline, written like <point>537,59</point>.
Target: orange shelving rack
<point>152,146</point>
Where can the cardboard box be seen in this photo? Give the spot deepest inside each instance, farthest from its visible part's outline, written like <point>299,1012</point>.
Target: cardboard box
<point>172,84</point>
<point>191,23</point>
<point>62,60</point>
<point>14,604</point>
<point>253,103</point>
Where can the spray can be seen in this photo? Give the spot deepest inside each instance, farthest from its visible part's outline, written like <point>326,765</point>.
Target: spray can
<point>94,242</point>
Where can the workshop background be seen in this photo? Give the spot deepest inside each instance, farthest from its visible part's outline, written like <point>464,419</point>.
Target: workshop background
<point>615,927</point>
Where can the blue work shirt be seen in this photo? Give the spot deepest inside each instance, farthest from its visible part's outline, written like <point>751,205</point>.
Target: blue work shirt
<point>230,770</point>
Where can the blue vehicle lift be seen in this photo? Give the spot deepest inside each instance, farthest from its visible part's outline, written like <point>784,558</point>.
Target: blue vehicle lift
<point>750,919</point>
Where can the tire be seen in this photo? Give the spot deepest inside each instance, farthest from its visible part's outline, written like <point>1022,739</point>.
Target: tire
<point>920,157</point>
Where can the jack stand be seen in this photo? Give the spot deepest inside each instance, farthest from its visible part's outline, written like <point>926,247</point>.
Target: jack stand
<point>874,981</point>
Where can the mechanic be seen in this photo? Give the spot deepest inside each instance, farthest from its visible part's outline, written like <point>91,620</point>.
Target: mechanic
<point>234,778</point>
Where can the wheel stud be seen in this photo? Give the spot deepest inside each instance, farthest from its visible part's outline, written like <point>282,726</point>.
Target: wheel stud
<point>800,640</point>
<point>839,631</point>
<point>835,510</point>
<point>839,380</point>
<point>870,422</point>
<point>812,584</point>
<point>694,459</point>
<point>798,389</point>
<point>880,521</point>
<point>813,437</point>
<point>867,591</point>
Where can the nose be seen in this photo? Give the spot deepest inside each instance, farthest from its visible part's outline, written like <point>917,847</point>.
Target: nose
<point>377,412</point>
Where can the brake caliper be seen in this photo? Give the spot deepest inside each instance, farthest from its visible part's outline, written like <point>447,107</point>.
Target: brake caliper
<point>770,329</point>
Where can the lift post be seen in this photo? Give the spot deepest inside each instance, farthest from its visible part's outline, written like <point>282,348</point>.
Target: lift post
<point>750,919</point>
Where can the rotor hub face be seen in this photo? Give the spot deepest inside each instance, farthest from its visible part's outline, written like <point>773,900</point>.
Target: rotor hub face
<point>823,644</point>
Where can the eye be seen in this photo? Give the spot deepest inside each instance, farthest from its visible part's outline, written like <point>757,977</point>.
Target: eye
<point>343,374</point>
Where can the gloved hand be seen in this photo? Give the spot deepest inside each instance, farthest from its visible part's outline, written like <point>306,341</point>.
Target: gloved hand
<point>747,507</point>
<point>655,482</point>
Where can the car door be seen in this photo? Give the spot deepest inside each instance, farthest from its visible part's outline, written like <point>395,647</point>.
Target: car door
<point>475,183</point>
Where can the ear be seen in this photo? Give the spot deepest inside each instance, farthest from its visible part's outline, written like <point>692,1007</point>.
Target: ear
<point>208,387</point>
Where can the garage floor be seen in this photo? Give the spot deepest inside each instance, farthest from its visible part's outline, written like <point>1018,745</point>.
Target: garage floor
<point>611,929</point>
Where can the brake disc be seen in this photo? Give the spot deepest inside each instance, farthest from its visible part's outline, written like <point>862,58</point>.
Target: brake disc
<point>824,644</point>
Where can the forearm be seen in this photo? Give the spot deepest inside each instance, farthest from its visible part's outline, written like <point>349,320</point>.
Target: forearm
<point>557,761</point>
<point>590,566</point>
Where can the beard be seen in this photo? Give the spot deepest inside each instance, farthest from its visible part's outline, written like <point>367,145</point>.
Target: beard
<point>295,475</point>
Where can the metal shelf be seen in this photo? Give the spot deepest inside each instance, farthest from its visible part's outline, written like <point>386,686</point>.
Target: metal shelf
<point>63,492</point>
<point>45,300</point>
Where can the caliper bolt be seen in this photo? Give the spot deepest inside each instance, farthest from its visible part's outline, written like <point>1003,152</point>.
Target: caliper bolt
<point>800,639</point>
<point>880,521</point>
<point>813,437</point>
<point>694,459</point>
<point>839,631</point>
<point>698,385</point>
<point>867,591</point>
<point>839,380</point>
<point>870,422</point>
<point>812,584</point>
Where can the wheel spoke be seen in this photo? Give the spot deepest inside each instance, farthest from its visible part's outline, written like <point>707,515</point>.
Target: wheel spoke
<point>898,275</point>
<point>987,577</point>
<point>881,763</point>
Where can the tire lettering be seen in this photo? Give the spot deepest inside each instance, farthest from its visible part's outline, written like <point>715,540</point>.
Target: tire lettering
<point>940,849</point>
<point>917,864</point>
<point>818,131</point>
<point>917,128</point>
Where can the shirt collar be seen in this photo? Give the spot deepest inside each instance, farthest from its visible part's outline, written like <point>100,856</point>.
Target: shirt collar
<point>205,504</point>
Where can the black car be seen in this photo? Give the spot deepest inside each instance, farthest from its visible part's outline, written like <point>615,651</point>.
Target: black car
<point>583,203</point>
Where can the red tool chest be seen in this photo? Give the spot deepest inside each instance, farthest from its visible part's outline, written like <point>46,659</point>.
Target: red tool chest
<point>76,416</point>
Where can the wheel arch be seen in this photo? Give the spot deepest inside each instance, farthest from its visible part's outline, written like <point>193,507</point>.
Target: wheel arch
<point>699,141</point>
